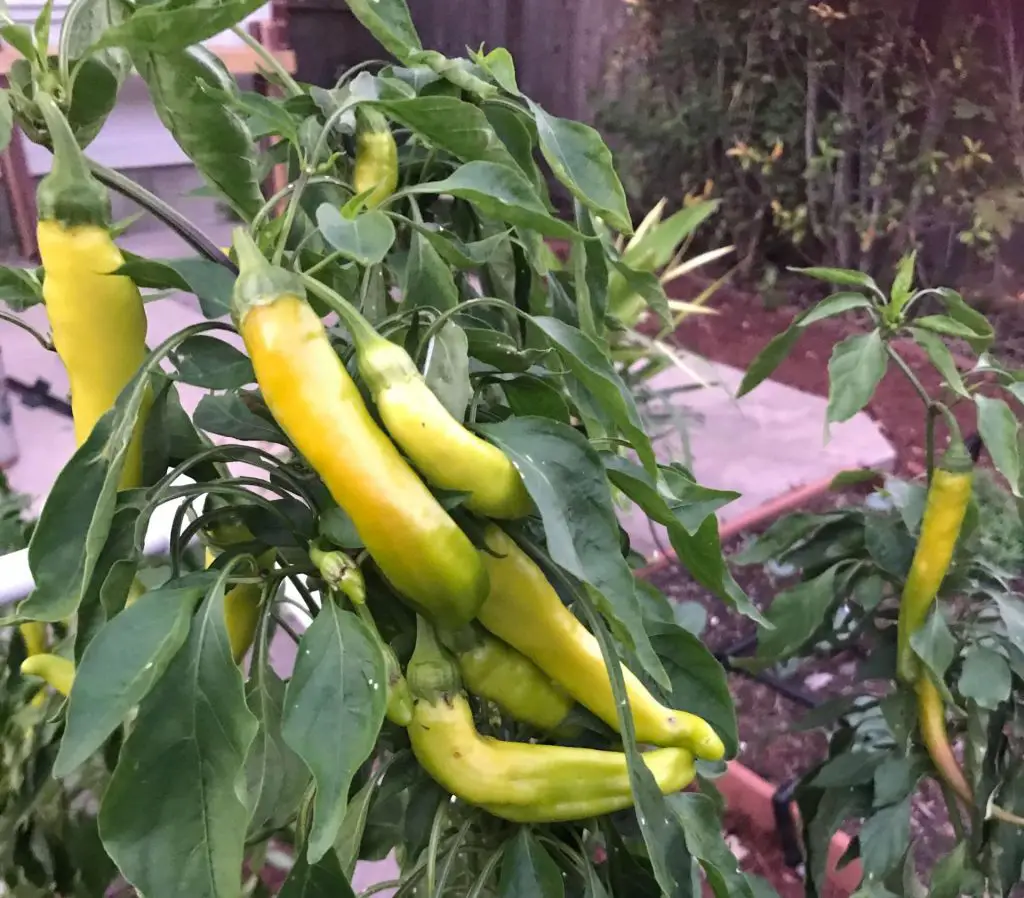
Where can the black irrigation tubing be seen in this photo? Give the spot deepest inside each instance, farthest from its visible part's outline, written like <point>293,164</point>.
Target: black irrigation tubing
<point>38,395</point>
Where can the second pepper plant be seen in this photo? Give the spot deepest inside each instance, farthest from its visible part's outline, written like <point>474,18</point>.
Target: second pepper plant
<point>418,631</point>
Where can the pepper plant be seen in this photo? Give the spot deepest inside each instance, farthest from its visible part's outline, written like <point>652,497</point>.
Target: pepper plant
<point>939,688</point>
<point>261,705</point>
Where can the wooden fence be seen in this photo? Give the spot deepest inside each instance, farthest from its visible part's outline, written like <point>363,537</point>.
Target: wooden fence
<point>561,47</point>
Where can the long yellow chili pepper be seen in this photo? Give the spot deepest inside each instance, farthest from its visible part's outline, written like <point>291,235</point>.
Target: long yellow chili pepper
<point>58,672</point>
<point>97,317</point>
<point>412,539</point>
<point>524,610</point>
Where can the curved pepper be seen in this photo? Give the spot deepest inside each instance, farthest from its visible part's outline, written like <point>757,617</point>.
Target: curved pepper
<point>376,166</point>
<point>446,453</point>
<point>518,781</point>
<point>58,672</point>
<point>497,672</point>
<point>524,610</point>
<point>413,540</point>
<point>97,318</point>
<point>931,720</point>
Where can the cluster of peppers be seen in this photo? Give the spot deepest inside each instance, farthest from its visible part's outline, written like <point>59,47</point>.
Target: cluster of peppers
<point>488,619</point>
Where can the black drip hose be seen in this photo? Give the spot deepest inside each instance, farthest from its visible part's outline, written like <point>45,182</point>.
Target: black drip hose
<point>38,395</point>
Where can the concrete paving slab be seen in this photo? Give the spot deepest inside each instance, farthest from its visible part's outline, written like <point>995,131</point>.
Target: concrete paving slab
<point>763,445</point>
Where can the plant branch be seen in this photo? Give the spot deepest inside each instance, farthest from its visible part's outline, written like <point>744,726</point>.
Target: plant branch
<point>913,378</point>
<point>272,63</point>
<point>164,212</point>
<point>25,326</point>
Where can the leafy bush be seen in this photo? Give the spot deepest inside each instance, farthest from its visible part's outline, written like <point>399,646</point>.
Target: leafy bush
<point>834,136</point>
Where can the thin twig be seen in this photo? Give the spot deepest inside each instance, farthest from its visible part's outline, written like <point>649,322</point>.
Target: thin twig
<point>25,326</point>
<point>164,212</point>
<point>914,382</point>
<point>272,63</point>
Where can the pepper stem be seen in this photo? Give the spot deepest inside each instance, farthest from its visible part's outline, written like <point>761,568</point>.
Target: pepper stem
<point>431,673</point>
<point>259,281</point>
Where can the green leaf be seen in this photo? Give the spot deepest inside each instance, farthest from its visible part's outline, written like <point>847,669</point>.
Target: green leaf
<point>581,160</point>
<point>566,479</point>
<point>85,24</point>
<point>388,21</point>
<point>796,614</point>
<point>121,664</point>
<point>229,416</point>
<point>527,869</point>
<point>934,644</point>
<point>885,838</point>
<point>643,284</point>
<point>365,239</point>
<point>205,361</point>
<point>706,841</point>
<point>942,359</point>
<point>500,192</point>
<point>428,281</point>
<point>673,499</point>
<point>276,778</point>
<point>466,256</point>
<point>947,326</point>
<point>72,529</point>
<point>657,247</point>
<point>903,283</point>
<point>974,321</point>
<point>1000,431</point>
<point>1011,609</point>
<point>985,677</point>
<point>172,817</point>
<point>500,66</point>
<point>857,366</point>
<point>952,877</point>
<point>888,543</point>
<point>699,685</point>
<point>895,779</point>
<point>211,283</point>
<point>20,288</point>
<point>851,768</point>
<point>451,124</point>
<point>662,830</point>
<point>6,120</point>
<point>324,879</point>
<point>517,131</point>
<point>846,277</point>
<point>587,361</point>
<point>334,707</point>
<point>184,87</point>
<point>447,369</point>
<point>169,25</point>
<point>780,346</point>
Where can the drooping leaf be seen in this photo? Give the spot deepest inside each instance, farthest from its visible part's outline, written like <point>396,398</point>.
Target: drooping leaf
<point>428,280</point>
<point>942,359</point>
<point>184,85</point>
<point>334,707</point>
<point>528,869</point>
<point>796,614</point>
<point>585,358</point>
<point>205,361</point>
<point>581,160</point>
<point>169,25</point>
<point>1001,432</point>
<point>885,838</point>
<point>447,369</point>
<point>324,879</point>
<point>981,333</point>
<point>122,663</point>
<point>228,415</point>
<point>566,480</point>
<point>501,192</point>
<point>172,817</point>
<point>388,21</point>
<point>365,239</point>
<point>857,366</point>
<point>211,283</point>
<point>985,677</point>
<point>706,841</point>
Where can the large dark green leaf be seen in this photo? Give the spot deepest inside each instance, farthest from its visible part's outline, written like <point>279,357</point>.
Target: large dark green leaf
<point>501,192</point>
<point>209,130</point>
<point>334,707</point>
<point>324,879</point>
<point>388,21</point>
<point>75,521</point>
<point>796,614</point>
<point>566,480</point>
<point>589,364</point>
<point>981,334</point>
<point>122,662</point>
<point>527,869</point>
<point>172,817</point>
<point>661,829</point>
<point>706,841</point>
<point>228,415</point>
<point>885,838</point>
<point>428,281</point>
<point>170,25</point>
<point>211,283</point>
<point>699,685</point>
<point>450,124</point>
<point>85,23</point>
<point>857,366</point>
<point>205,361</point>
<point>580,159</point>
<point>985,677</point>
<point>275,776</point>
